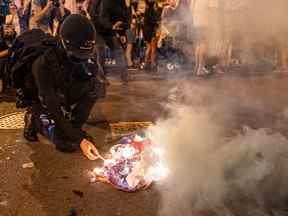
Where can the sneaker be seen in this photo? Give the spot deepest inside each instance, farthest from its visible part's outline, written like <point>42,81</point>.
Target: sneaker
<point>132,68</point>
<point>142,66</point>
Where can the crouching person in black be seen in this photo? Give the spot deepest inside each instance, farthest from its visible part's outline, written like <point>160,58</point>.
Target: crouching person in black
<point>66,89</point>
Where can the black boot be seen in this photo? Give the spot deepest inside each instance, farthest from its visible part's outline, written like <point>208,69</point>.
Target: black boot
<point>30,129</point>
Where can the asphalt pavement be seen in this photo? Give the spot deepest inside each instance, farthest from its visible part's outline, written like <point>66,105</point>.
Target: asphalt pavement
<point>57,184</point>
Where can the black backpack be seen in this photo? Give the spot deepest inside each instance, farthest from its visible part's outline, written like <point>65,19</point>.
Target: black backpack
<point>27,48</point>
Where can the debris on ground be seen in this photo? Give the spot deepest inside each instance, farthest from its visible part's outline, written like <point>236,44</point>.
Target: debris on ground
<point>72,212</point>
<point>28,165</point>
<point>78,193</point>
<point>4,203</point>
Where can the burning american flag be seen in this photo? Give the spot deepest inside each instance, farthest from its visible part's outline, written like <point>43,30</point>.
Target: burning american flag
<point>133,164</point>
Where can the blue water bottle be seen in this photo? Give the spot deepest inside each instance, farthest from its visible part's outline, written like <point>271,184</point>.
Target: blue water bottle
<point>48,126</point>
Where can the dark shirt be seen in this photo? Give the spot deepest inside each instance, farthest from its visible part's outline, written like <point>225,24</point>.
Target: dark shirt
<point>152,14</point>
<point>112,12</point>
<point>94,10</point>
<point>63,84</point>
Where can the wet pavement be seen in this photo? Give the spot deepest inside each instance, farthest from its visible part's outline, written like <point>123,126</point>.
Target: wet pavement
<point>58,184</point>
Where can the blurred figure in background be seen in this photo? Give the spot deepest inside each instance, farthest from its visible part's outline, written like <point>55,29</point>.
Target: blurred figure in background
<point>152,21</point>
<point>94,11</point>
<point>40,14</point>
<point>207,33</point>
<point>114,21</point>
<point>199,10</point>
<point>71,5</point>
<point>12,20</point>
<point>3,58</point>
<point>45,13</point>
<point>24,12</point>
<point>132,6</point>
<point>58,14</point>
<point>82,8</point>
<point>11,29</point>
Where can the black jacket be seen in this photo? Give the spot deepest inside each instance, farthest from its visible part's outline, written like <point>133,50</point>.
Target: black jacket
<point>113,11</point>
<point>62,84</point>
<point>94,10</point>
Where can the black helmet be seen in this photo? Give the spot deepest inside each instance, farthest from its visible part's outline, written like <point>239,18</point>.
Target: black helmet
<point>78,36</point>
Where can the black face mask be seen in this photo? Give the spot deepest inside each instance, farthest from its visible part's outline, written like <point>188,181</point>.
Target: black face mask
<point>71,57</point>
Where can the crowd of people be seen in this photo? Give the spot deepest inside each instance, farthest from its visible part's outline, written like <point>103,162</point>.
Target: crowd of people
<point>128,29</point>
<point>241,32</point>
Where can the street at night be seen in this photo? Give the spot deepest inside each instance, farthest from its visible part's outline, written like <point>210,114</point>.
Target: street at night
<point>58,183</point>
<point>143,108</point>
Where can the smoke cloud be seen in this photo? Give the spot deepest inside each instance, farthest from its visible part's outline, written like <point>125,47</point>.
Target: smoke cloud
<point>213,172</point>
<point>251,25</point>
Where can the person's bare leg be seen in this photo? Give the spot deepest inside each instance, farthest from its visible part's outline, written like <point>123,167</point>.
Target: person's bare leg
<point>153,51</point>
<point>197,50</point>
<point>119,55</point>
<point>224,56</point>
<point>229,54</point>
<point>148,54</point>
<point>100,59</point>
<point>128,54</point>
<point>220,55</point>
<point>202,58</point>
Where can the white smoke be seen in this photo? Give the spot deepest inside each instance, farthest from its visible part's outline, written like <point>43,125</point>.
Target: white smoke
<point>254,27</point>
<point>243,173</point>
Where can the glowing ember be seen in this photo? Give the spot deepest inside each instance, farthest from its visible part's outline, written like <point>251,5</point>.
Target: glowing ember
<point>134,163</point>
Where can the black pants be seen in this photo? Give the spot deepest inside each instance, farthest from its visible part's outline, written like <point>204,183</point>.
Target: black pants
<point>78,116</point>
<point>49,130</point>
<point>118,53</point>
